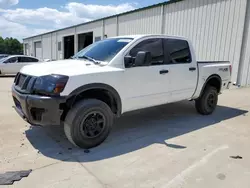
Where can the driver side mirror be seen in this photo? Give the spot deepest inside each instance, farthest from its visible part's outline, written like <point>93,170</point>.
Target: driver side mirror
<point>142,59</point>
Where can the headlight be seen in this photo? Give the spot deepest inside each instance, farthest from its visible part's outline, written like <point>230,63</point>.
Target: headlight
<point>50,85</point>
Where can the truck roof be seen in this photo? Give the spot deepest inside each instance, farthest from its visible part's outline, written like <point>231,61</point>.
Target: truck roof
<point>152,35</point>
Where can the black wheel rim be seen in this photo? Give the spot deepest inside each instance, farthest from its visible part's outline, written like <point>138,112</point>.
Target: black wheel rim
<point>211,101</point>
<point>93,124</point>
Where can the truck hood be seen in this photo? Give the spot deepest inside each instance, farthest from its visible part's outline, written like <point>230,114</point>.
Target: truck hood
<point>65,67</point>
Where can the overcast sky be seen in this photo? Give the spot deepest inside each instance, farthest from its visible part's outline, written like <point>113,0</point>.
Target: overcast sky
<point>24,18</point>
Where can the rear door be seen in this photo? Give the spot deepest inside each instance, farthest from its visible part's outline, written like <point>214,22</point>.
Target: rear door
<point>183,69</point>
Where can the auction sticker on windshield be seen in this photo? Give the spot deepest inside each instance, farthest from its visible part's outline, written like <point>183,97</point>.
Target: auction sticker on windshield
<point>124,40</point>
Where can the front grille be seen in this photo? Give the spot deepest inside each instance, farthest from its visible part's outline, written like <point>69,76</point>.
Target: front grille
<point>24,82</point>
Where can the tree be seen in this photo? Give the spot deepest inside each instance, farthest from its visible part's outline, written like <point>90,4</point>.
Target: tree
<point>10,46</point>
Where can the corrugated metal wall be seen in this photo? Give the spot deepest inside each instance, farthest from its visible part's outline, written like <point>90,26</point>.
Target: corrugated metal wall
<point>110,27</point>
<point>54,46</point>
<point>244,72</point>
<point>46,44</point>
<point>95,27</point>
<point>214,26</point>
<point>141,22</point>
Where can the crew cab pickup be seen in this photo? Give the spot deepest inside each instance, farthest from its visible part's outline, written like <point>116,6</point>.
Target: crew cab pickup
<point>114,76</point>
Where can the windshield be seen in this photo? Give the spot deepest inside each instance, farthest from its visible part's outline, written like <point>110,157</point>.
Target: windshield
<point>3,59</point>
<point>104,50</point>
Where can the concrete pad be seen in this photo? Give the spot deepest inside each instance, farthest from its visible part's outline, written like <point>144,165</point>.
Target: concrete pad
<point>61,175</point>
<point>169,146</point>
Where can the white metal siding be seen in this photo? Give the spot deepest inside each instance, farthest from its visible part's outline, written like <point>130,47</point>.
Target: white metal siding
<point>26,49</point>
<point>142,22</point>
<point>244,72</point>
<point>95,27</point>
<point>46,45</point>
<point>54,46</point>
<point>31,47</point>
<point>37,39</point>
<point>214,26</point>
<point>110,27</point>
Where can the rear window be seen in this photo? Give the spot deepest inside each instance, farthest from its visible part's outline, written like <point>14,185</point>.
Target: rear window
<point>27,60</point>
<point>178,50</point>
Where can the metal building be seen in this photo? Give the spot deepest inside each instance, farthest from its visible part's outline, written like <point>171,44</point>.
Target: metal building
<point>219,30</point>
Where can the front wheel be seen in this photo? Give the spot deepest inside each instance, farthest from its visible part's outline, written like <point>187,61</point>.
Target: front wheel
<point>88,123</point>
<point>207,103</point>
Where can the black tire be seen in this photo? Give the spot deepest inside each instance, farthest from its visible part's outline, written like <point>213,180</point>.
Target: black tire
<point>207,103</point>
<point>79,123</point>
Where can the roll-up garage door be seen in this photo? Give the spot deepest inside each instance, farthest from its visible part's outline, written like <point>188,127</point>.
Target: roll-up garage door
<point>38,49</point>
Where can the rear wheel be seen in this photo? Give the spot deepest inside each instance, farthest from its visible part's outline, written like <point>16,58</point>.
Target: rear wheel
<point>207,103</point>
<point>88,123</point>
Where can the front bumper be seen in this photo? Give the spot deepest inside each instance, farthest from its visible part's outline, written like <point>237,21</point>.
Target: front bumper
<point>38,110</point>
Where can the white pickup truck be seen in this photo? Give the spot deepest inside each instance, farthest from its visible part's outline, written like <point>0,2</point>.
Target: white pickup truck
<point>114,76</point>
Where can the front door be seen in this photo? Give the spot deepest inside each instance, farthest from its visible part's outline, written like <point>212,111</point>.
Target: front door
<point>146,85</point>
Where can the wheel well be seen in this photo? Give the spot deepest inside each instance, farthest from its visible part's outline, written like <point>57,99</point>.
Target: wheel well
<point>214,81</point>
<point>100,94</point>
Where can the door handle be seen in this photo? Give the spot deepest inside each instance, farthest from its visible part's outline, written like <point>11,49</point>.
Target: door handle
<point>163,71</point>
<point>192,68</point>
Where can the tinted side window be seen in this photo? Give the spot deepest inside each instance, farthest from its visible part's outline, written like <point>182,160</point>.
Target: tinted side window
<point>34,60</point>
<point>27,60</point>
<point>12,60</point>
<point>179,51</point>
<point>22,59</point>
<point>30,59</point>
<point>154,46</point>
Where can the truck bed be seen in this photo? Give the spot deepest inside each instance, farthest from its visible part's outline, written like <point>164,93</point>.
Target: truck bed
<point>200,62</point>
<point>211,68</point>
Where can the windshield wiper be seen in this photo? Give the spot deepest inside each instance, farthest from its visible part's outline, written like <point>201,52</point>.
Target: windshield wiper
<point>89,58</point>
